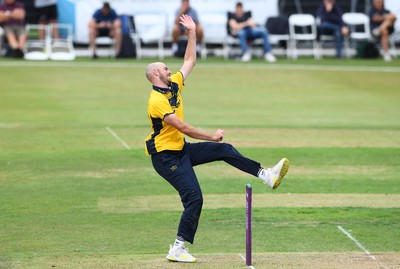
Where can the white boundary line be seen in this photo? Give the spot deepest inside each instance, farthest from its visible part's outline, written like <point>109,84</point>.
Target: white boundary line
<point>343,68</point>
<point>250,266</point>
<point>118,138</point>
<point>355,240</point>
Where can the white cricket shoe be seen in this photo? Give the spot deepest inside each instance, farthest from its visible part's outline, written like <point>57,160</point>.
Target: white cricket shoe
<point>387,57</point>
<point>376,32</point>
<point>180,254</point>
<point>246,56</point>
<point>269,57</point>
<point>273,176</point>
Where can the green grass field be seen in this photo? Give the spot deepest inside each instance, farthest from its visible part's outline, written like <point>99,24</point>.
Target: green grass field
<point>73,196</point>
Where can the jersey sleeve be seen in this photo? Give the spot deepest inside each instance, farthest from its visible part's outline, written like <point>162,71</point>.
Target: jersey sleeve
<point>96,15</point>
<point>114,15</point>
<point>194,15</point>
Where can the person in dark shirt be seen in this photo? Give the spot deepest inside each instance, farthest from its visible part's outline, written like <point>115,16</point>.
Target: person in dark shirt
<point>243,26</point>
<point>105,22</point>
<point>382,22</point>
<point>12,17</point>
<point>330,16</point>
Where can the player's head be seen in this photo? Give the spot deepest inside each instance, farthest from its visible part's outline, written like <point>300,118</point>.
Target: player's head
<point>239,9</point>
<point>378,4</point>
<point>158,73</point>
<point>185,6</point>
<point>106,8</point>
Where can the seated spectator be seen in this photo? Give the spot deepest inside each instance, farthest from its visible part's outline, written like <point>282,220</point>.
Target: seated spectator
<point>47,10</point>
<point>179,30</point>
<point>105,22</point>
<point>243,26</point>
<point>330,15</point>
<point>1,36</point>
<point>12,17</point>
<point>382,25</point>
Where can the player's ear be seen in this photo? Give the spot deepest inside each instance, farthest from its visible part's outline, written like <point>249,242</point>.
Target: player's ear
<point>156,72</point>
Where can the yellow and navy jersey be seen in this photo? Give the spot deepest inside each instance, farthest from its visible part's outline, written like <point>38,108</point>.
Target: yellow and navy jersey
<point>162,102</point>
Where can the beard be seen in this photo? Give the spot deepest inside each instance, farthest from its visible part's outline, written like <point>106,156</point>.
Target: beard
<point>166,80</point>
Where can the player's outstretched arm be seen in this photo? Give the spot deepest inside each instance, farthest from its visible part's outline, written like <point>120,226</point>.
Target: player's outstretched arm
<point>191,131</point>
<point>189,60</point>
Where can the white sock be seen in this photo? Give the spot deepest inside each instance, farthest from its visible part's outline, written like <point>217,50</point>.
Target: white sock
<point>179,244</point>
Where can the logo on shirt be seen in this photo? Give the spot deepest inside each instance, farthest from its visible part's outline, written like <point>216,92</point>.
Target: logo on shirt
<point>173,95</point>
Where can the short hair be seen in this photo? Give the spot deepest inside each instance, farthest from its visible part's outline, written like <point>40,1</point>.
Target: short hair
<point>106,5</point>
<point>239,4</point>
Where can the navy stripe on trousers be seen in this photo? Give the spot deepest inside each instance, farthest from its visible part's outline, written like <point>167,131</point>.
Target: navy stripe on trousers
<point>177,168</point>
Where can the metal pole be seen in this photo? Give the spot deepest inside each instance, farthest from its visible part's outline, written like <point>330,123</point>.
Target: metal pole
<point>353,6</point>
<point>248,223</point>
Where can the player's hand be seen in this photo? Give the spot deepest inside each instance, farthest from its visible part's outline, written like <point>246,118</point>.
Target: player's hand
<point>218,136</point>
<point>187,22</point>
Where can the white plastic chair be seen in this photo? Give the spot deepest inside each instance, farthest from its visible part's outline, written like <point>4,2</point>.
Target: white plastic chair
<point>107,41</point>
<point>214,25</point>
<point>150,28</point>
<point>37,49</point>
<point>302,20</point>
<point>356,33</point>
<point>274,39</point>
<point>62,49</point>
<point>357,19</point>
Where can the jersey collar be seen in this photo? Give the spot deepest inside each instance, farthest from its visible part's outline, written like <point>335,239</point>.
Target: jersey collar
<point>173,88</point>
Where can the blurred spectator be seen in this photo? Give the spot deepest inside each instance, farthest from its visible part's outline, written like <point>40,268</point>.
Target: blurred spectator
<point>179,30</point>
<point>12,17</point>
<point>105,22</point>
<point>47,10</point>
<point>330,16</point>
<point>382,25</point>
<point>1,40</point>
<point>243,26</point>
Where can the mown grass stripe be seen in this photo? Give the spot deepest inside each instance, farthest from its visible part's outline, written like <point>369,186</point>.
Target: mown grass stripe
<point>215,201</point>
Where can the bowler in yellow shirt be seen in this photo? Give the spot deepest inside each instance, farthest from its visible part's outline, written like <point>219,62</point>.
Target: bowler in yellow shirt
<point>173,158</point>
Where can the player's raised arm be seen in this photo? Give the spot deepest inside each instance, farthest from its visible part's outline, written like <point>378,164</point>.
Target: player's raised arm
<point>189,60</point>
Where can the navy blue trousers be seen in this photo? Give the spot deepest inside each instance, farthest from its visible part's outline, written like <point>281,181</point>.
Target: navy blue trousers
<point>177,168</point>
<point>336,30</point>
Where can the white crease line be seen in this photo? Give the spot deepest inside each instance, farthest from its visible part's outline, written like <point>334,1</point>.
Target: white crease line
<point>355,240</point>
<point>250,266</point>
<point>118,138</point>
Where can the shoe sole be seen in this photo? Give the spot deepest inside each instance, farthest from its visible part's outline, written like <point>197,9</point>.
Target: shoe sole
<point>175,259</point>
<point>282,173</point>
